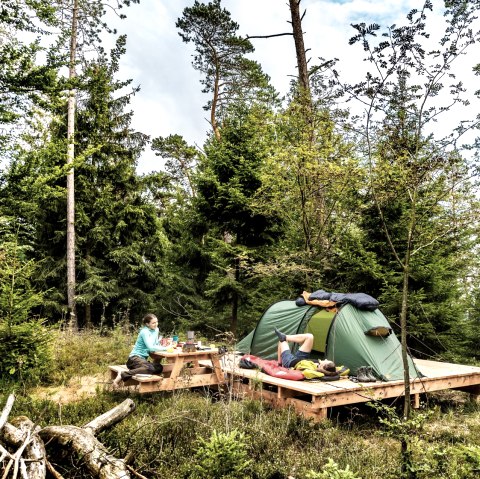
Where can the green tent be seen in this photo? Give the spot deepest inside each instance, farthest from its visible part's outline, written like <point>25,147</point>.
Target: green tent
<point>340,337</point>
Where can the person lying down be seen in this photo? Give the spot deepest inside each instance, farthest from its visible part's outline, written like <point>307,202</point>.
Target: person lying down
<point>289,360</point>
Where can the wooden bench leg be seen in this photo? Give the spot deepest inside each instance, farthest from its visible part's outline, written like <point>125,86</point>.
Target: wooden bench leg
<point>415,401</point>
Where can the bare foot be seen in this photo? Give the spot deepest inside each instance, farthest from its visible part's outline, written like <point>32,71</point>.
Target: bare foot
<point>117,381</point>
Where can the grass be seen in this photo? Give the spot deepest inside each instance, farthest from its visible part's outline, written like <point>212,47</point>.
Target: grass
<point>166,430</point>
<point>88,352</point>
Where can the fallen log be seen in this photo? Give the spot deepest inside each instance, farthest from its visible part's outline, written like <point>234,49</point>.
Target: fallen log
<point>82,441</point>
<point>95,456</point>
<point>34,453</point>
<point>110,418</point>
<point>35,445</point>
<point>6,410</point>
<point>29,459</point>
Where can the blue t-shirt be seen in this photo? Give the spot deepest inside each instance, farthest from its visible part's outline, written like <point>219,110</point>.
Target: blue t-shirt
<point>147,342</point>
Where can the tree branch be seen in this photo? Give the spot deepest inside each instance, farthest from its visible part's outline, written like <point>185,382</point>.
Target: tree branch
<point>268,36</point>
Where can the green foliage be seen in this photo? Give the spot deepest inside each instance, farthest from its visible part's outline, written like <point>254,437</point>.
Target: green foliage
<point>454,462</point>
<point>17,295</point>
<point>25,342</point>
<point>224,455</point>
<point>229,179</point>
<point>331,470</point>
<point>25,351</point>
<point>399,427</point>
<point>89,352</point>
<point>419,204</point>
<point>119,238</point>
<point>220,56</point>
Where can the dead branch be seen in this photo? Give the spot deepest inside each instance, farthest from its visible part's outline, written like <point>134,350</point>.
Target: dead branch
<point>23,435</point>
<point>6,410</point>
<point>4,453</point>
<point>268,36</point>
<point>53,472</point>
<point>96,458</point>
<point>110,418</point>
<point>33,444</point>
<point>135,473</point>
<point>34,449</point>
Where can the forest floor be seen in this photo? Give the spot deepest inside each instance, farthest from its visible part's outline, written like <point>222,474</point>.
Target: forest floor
<point>75,389</point>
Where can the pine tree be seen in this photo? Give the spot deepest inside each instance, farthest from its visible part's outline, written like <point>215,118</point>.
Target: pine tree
<point>228,75</point>
<point>119,239</point>
<point>228,181</point>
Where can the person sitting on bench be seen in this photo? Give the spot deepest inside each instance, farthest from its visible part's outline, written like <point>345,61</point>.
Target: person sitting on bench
<point>147,342</point>
<point>288,360</point>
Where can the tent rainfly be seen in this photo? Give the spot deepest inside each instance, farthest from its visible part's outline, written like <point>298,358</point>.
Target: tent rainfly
<point>350,337</point>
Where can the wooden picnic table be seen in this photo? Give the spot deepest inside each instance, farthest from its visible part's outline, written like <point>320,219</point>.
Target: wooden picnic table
<point>180,370</point>
<point>184,370</point>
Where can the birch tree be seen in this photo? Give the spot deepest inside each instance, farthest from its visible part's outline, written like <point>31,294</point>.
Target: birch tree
<point>410,164</point>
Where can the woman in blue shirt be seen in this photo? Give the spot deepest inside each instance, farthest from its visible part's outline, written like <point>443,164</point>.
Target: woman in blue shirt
<point>147,342</point>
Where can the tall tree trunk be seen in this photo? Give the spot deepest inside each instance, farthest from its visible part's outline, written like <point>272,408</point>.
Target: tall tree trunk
<point>72,319</point>
<point>403,314</point>
<point>306,102</point>
<point>213,110</point>
<point>234,319</point>
<point>300,48</point>
<point>403,337</point>
<point>406,452</point>
<point>88,316</point>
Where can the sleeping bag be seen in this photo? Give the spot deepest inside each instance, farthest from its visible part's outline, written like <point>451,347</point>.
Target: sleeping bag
<point>270,367</point>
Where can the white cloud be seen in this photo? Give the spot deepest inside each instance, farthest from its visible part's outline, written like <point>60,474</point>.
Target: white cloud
<point>171,101</point>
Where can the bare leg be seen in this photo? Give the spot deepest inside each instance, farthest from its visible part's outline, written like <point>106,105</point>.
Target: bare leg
<point>305,340</point>
<point>282,346</point>
<point>117,380</point>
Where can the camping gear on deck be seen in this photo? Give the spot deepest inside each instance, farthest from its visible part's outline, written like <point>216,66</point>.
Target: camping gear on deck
<point>365,375</point>
<point>270,367</point>
<point>339,337</point>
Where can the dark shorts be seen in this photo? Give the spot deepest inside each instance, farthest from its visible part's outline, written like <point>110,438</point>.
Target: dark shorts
<point>289,360</point>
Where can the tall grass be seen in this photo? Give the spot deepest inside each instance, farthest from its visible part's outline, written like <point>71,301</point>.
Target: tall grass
<point>166,435</point>
<point>88,352</point>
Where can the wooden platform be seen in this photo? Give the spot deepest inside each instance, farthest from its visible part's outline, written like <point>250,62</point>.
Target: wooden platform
<point>312,399</point>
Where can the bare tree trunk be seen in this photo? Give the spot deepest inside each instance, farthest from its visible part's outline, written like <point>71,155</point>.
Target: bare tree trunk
<point>72,320</point>
<point>99,462</point>
<point>110,418</point>
<point>213,111</point>
<point>300,47</point>
<point>403,337</point>
<point>234,319</point>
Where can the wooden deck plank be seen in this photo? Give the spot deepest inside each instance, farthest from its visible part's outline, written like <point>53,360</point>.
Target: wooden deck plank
<point>321,395</point>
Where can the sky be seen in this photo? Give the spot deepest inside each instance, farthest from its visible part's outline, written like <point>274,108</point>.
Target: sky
<point>170,100</point>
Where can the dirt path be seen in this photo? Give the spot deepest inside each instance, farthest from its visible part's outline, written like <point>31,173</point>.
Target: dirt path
<point>77,389</point>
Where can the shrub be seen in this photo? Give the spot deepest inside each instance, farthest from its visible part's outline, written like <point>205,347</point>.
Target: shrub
<point>455,462</point>
<point>224,455</point>
<point>25,350</point>
<point>331,471</point>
